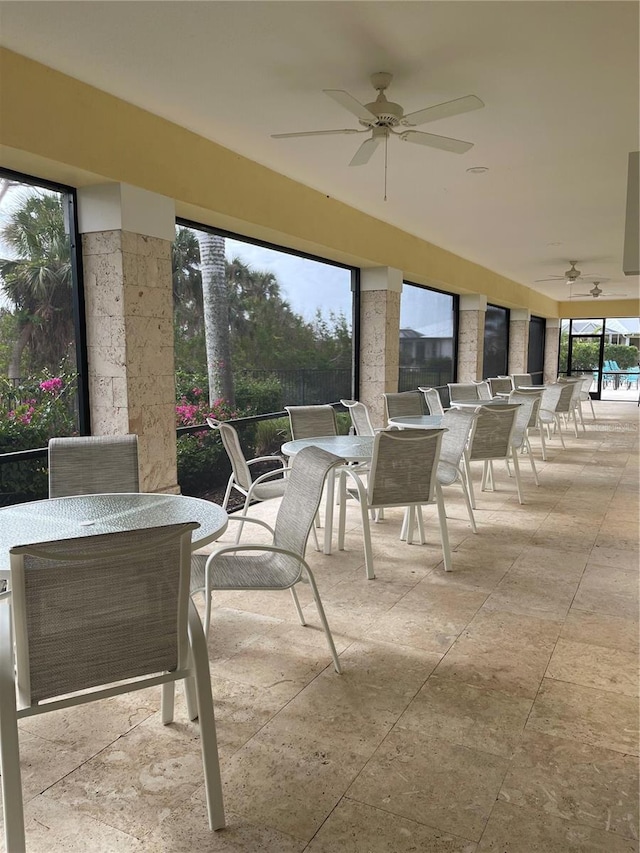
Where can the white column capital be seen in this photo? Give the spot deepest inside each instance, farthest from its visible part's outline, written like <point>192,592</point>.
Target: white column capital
<point>381,278</point>
<point>473,302</point>
<point>122,207</point>
<point>520,314</point>
<point>553,323</point>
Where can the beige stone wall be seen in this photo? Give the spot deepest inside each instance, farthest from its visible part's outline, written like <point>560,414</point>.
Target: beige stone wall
<point>551,350</point>
<point>518,346</point>
<point>379,349</point>
<point>129,313</point>
<point>470,345</point>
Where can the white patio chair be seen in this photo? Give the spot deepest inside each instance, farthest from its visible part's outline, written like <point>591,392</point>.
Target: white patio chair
<point>93,465</point>
<point>360,417</point>
<point>585,396</point>
<point>433,399</point>
<point>89,614</point>
<point>265,486</point>
<point>463,392</point>
<point>493,440</point>
<point>500,385</point>
<point>483,389</point>
<point>521,380</point>
<point>281,564</point>
<point>312,421</point>
<point>404,404</point>
<point>526,417</point>
<point>403,473</point>
<point>534,393</point>
<point>459,425</point>
<point>556,399</point>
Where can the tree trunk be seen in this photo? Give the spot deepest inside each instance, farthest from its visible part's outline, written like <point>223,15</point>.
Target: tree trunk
<point>13,370</point>
<point>215,299</point>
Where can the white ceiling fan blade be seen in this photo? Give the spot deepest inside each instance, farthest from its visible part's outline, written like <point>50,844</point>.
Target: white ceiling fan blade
<point>315,133</point>
<point>365,152</point>
<point>552,278</point>
<point>349,103</point>
<point>448,108</point>
<point>444,143</point>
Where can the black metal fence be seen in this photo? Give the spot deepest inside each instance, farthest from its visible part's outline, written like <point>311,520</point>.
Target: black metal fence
<point>409,378</point>
<point>308,386</point>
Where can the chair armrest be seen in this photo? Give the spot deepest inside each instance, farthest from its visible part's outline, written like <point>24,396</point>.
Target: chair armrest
<point>272,549</point>
<point>277,473</point>
<point>242,518</point>
<point>266,459</point>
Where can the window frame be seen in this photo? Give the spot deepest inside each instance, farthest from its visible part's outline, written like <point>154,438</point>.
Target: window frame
<point>507,324</point>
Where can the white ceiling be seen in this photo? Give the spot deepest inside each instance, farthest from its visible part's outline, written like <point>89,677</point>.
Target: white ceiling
<point>559,81</point>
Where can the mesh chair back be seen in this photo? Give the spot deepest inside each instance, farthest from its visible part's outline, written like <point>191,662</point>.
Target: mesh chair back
<point>521,379</point>
<point>231,444</point>
<point>359,417</point>
<point>403,467</point>
<point>404,404</point>
<point>459,392</point>
<point>586,383</point>
<point>434,401</point>
<point>567,390</point>
<point>493,433</point>
<point>526,416</point>
<point>484,392</point>
<point>301,499</point>
<point>99,609</point>
<point>93,465</point>
<point>500,385</point>
<point>311,421</point>
<point>460,425</point>
<point>531,399</point>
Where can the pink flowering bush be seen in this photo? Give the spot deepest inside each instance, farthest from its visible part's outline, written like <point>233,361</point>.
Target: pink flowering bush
<point>31,413</point>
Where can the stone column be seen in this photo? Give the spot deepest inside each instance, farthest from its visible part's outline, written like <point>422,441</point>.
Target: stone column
<point>473,308</point>
<point>519,340</point>
<point>126,247</point>
<point>551,350</point>
<point>380,290</point>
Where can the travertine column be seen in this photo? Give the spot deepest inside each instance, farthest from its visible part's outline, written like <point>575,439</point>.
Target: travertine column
<point>551,350</point>
<point>519,340</point>
<point>471,337</point>
<point>126,247</point>
<point>380,289</point>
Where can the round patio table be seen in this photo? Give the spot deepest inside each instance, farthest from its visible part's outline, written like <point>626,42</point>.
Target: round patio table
<point>90,515</point>
<point>417,422</point>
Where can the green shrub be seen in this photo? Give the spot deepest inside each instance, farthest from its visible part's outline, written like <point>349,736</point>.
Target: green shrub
<point>258,396</point>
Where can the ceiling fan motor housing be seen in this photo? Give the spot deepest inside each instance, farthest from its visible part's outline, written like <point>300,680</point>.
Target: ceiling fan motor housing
<point>387,113</point>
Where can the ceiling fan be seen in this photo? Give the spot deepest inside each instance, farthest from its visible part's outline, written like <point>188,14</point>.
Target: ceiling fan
<point>595,291</point>
<point>381,117</point>
<point>569,276</point>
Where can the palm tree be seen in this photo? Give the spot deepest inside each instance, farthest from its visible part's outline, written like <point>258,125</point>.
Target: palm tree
<point>215,305</point>
<point>38,281</point>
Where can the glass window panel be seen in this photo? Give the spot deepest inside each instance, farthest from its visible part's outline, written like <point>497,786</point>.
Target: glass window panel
<point>427,337</point>
<point>535,362</point>
<point>496,341</point>
<point>285,322</point>
<point>38,347</point>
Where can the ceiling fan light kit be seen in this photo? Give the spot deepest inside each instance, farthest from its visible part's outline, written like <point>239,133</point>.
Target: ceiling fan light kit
<point>382,117</point>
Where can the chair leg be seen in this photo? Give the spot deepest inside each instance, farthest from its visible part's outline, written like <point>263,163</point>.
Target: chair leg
<point>444,532</point>
<point>557,422</point>
<point>516,471</point>
<point>467,501</point>
<point>543,445</point>
<point>593,412</point>
<point>208,739</point>
<point>167,702</point>
<point>296,601</point>
<point>366,536</point>
<point>9,742</point>
<point>323,619</point>
<point>533,464</point>
<point>467,472</point>
<point>342,508</point>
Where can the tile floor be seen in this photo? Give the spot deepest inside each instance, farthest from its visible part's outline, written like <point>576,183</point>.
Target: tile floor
<point>494,708</point>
